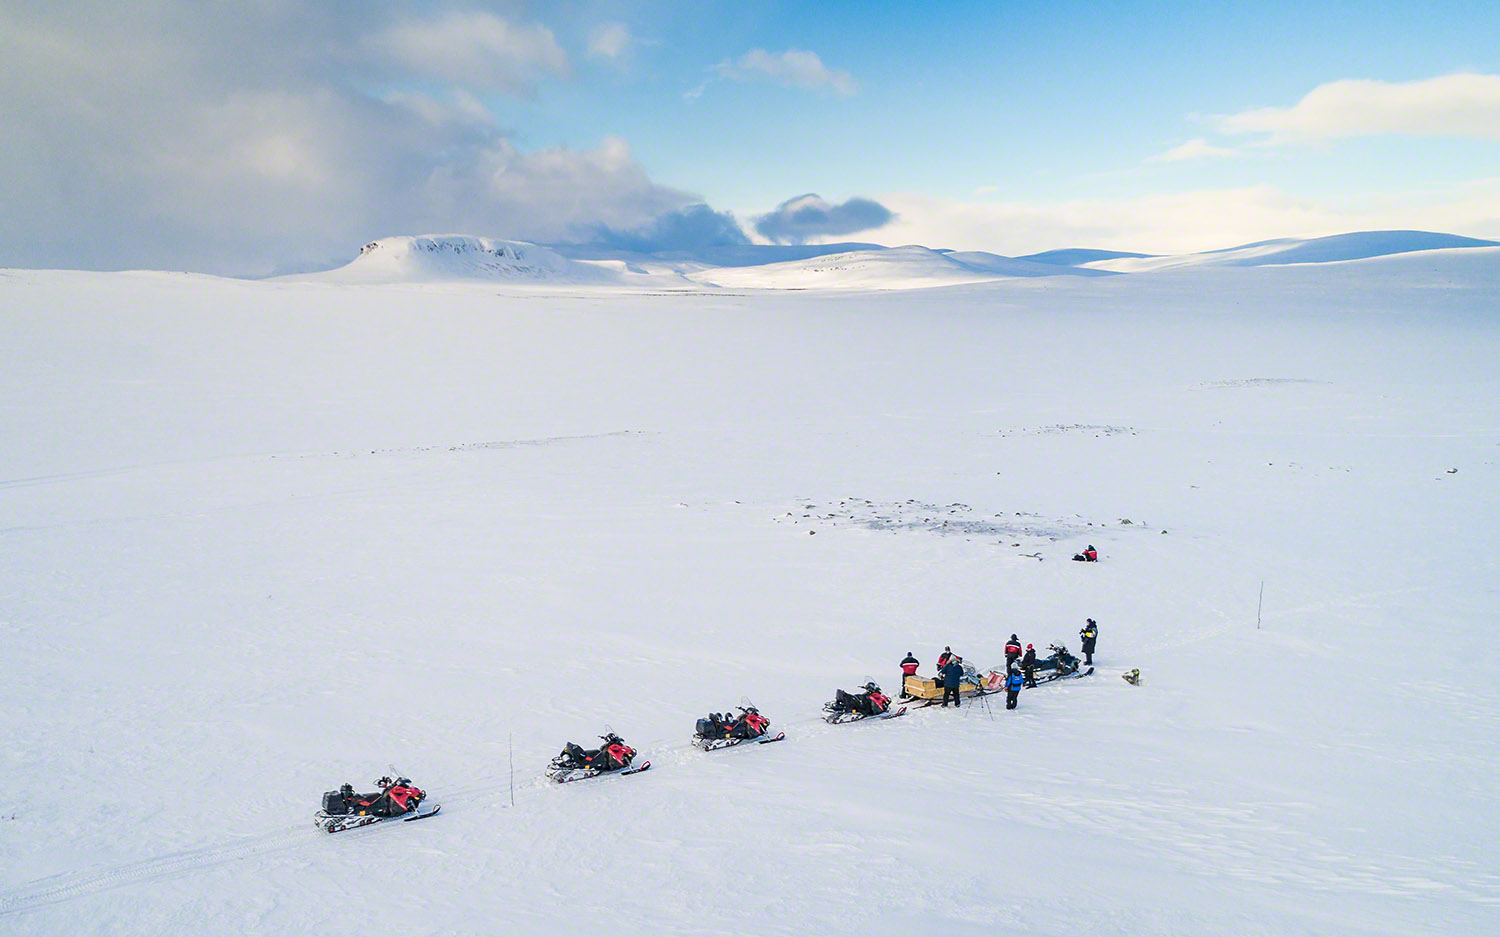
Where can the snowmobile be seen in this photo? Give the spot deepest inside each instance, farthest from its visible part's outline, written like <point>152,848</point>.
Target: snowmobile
<point>851,707</point>
<point>1089,555</point>
<point>576,763</point>
<point>1059,665</point>
<point>398,799</point>
<point>723,730</point>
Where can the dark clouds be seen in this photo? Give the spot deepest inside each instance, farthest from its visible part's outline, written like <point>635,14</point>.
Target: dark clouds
<point>807,217</point>
<point>695,226</point>
<point>255,137</point>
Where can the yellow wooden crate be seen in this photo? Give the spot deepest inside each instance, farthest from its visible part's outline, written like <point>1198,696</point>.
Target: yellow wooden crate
<point>927,687</point>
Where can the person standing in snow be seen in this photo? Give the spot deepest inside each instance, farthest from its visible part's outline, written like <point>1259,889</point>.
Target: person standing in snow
<point>944,657</point>
<point>1028,666</point>
<point>1013,681</point>
<point>953,674</point>
<point>1090,634</point>
<point>908,669</point>
<point>1012,651</point>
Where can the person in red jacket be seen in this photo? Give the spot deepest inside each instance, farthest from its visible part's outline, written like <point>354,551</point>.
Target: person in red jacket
<point>908,669</point>
<point>944,657</point>
<point>1012,651</point>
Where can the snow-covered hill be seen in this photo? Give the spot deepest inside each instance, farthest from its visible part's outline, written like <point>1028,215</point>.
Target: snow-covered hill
<point>1338,247</point>
<point>260,538</point>
<point>432,258</point>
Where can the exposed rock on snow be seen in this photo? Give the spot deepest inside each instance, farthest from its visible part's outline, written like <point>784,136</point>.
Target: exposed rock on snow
<point>945,520</point>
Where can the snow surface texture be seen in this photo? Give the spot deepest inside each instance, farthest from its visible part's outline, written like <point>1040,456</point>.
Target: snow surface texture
<point>257,539</point>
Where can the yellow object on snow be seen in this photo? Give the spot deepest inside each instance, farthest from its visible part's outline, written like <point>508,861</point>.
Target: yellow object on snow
<point>927,687</point>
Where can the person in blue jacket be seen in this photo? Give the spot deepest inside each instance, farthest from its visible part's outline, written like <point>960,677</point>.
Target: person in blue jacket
<point>1013,681</point>
<point>953,673</point>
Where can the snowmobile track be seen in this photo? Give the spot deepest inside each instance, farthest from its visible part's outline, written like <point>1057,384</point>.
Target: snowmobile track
<point>68,885</point>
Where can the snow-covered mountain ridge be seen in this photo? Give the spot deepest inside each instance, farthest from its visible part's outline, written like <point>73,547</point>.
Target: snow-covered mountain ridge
<point>438,258</point>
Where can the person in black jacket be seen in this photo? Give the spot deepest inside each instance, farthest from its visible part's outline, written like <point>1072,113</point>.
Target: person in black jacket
<point>1028,666</point>
<point>953,673</point>
<point>1090,634</point>
<point>908,669</point>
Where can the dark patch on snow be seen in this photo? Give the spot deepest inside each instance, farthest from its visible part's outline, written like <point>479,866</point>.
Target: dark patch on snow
<point>944,520</point>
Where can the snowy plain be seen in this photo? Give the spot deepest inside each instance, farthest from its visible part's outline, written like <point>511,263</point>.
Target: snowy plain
<point>260,538</point>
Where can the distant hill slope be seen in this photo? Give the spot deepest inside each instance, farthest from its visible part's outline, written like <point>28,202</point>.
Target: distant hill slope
<point>999,264</point>
<point>908,267</point>
<point>1073,256</point>
<point>1356,245</point>
<point>713,255</point>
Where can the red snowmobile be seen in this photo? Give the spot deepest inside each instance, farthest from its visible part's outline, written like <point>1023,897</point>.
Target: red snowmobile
<point>576,763</point>
<point>345,809</point>
<point>722,731</point>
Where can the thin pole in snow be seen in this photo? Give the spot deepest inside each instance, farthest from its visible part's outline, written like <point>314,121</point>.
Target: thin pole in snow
<point>511,757</point>
<point>1259,602</point>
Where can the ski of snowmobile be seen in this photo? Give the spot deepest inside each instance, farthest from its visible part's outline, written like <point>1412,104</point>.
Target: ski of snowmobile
<point>354,821</point>
<point>1043,681</point>
<point>584,774</point>
<point>937,702</point>
<point>713,745</point>
<point>843,717</point>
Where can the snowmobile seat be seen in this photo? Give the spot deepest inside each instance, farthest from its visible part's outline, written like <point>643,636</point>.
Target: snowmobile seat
<point>333,804</point>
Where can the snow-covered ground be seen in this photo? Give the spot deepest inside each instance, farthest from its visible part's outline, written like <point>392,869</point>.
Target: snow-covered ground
<point>257,539</point>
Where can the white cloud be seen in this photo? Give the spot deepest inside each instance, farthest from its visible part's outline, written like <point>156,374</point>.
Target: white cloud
<point>174,160</point>
<point>1187,221</point>
<point>1193,149</point>
<point>457,107</point>
<point>1466,105</point>
<point>476,49</point>
<point>794,68</point>
<point>610,41</point>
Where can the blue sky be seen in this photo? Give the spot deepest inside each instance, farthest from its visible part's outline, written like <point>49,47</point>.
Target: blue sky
<point>1004,126</point>
<point>1036,98</point>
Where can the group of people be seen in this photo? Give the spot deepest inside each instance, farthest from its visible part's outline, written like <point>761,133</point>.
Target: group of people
<point>1020,666</point>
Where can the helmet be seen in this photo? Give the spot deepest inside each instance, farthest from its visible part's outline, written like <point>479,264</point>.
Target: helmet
<point>872,687</point>
<point>1014,638</point>
<point>1030,648</point>
<point>1089,620</point>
